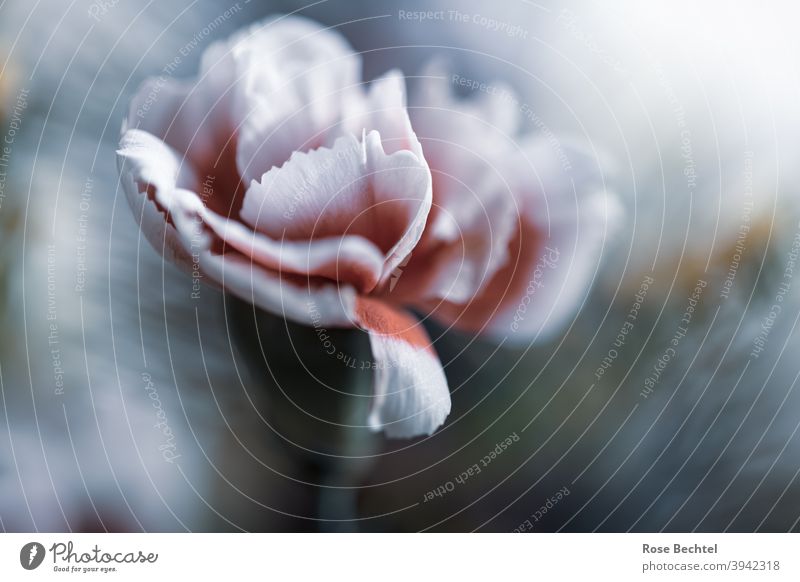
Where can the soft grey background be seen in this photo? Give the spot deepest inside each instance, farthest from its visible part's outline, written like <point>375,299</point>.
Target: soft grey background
<point>715,447</point>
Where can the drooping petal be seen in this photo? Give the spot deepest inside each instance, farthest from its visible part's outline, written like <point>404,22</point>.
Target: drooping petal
<point>411,394</point>
<point>351,189</point>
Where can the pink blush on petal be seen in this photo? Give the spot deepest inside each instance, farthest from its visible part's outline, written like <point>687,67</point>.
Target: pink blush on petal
<point>378,317</point>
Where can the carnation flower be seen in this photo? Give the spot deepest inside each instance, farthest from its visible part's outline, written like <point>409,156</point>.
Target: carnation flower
<point>295,186</point>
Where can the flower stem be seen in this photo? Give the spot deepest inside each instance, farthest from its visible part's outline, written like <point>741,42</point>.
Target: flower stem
<point>318,397</point>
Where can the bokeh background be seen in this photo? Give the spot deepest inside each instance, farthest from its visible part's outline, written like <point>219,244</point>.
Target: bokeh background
<point>692,113</point>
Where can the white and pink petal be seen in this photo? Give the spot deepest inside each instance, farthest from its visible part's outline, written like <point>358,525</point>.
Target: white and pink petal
<point>194,116</point>
<point>296,80</point>
<point>282,279</point>
<point>567,217</point>
<point>411,395</point>
<point>149,169</point>
<point>467,143</point>
<point>349,260</point>
<point>351,189</point>
<point>300,299</point>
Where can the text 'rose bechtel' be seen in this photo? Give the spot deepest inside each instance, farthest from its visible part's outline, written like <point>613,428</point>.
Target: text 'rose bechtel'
<point>304,190</point>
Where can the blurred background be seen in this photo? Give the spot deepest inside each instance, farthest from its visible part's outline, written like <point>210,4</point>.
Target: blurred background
<point>127,408</point>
